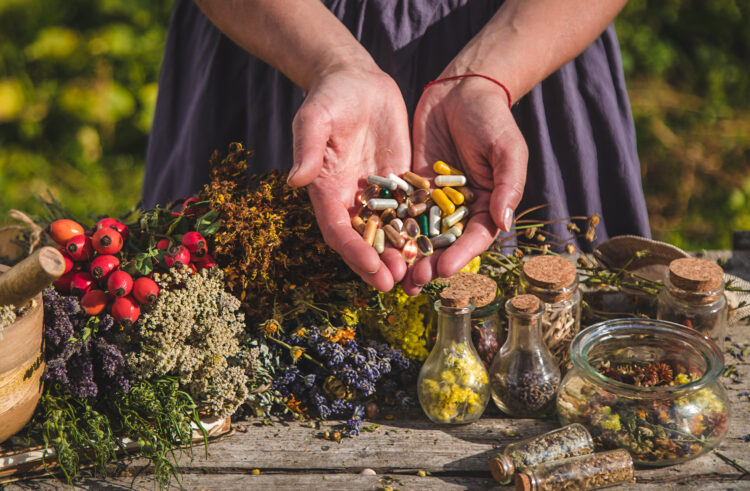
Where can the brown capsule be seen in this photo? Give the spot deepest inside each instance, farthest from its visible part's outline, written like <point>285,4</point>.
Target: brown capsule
<point>411,227</point>
<point>365,213</point>
<point>418,182</point>
<point>399,195</point>
<point>358,224</point>
<point>370,229</point>
<point>402,210</point>
<point>397,224</point>
<point>469,196</point>
<point>419,196</point>
<point>424,245</point>
<point>387,215</point>
<point>394,236</point>
<point>369,193</point>
<point>416,209</point>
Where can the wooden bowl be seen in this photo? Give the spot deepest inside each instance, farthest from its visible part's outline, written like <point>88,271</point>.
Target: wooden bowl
<point>21,369</point>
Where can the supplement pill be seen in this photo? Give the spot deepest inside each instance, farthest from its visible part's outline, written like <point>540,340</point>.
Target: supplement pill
<point>416,209</point>
<point>379,242</point>
<point>455,217</point>
<point>397,224</point>
<point>370,228</point>
<point>381,204</point>
<point>411,227</point>
<point>455,196</point>
<point>402,211</point>
<point>358,224</point>
<point>424,245</point>
<point>442,240</point>
<point>423,225</point>
<point>419,196</point>
<point>394,236</point>
<point>440,199</point>
<point>456,230</point>
<point>386,193</point>
<point>450,181</point>
<point>469,196</point>
<point>387,215</point>
<point>382,182</point>
<point>418,182</point>
<point>402,185</point>
<point>444,169</point>
<point>433,228</point>
<point>369,193</point>
<point>399,196</point>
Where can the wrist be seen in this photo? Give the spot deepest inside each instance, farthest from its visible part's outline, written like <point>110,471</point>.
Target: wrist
<point>342,59</point>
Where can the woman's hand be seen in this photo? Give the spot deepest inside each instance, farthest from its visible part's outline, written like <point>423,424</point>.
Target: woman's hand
<point>467,123</point>
<point>353,123</point>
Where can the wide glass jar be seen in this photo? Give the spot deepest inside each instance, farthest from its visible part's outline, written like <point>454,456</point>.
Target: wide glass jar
<point>554,280</point>
<point>693,295</point>
<point>453,386</point>
<point>648,386</point>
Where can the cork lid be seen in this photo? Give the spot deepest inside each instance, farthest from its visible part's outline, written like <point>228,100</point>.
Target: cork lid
<point>523,482</point>
<point>695,274</point>
<point>550,272</point>
<point>502,468</point>
<point>481,289</point>
<point>525,303</point>
<point>454,297</point>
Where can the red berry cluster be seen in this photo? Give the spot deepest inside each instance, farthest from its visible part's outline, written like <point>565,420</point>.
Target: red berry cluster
<point>192,252</point>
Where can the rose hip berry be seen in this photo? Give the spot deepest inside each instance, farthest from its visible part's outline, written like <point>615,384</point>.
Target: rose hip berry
<point>81,283</point>
<point>105,223</point>
<point>107,241</point>
<point>177,254</point>
<point>195,243</point>
<point>68,263</point>
<point>79,248</point>
<point>122,228</point>
<point>62,284</point>
<point>102,266</point>
<point>145,290</point>
<point>62,231</point>
<point>119,283</point>
<point>94,302</point>
<point>206,262</point>
<point>163,244</point>
<point>125,310</point>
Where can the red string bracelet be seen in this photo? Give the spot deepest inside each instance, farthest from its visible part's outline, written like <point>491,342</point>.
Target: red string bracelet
<point>465,75</point>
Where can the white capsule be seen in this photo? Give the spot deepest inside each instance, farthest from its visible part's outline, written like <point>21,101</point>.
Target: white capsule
<point>442,240</point>
<point>402,211</point>
<point>381,203</point>
<point>455,217</point>
<point>379,243</point>
<point>402,185</point>
<point>455,230</point>
<point>382,182</point>
<point>450,181</point>
<point>433,224</point>
<point>397,224</point>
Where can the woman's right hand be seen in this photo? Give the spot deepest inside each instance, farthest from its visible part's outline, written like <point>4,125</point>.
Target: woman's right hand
<point>352,123</point>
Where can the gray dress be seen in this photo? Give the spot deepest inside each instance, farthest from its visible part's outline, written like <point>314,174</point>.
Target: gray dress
<point>577,123</point>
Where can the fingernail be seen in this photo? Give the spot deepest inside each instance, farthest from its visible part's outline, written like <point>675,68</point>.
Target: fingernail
<point>295,169</point>
<point>508,219</point>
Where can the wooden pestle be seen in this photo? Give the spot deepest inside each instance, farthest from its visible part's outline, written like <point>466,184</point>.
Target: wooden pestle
<point>25,280</point>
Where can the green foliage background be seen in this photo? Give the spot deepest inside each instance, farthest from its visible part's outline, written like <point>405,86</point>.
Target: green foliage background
<point>78,87</point>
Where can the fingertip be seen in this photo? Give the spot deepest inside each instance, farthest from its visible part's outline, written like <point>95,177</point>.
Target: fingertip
<point>395,263</point>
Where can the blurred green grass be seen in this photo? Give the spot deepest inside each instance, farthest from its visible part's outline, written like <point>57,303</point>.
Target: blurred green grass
<point>78,87</point>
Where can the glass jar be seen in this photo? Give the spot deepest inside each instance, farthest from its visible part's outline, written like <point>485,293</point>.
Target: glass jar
<point>524,375</point>
<point>554,280</point>
<point>693,295</point>
<point>487,331</point>
<point>579,473</point>
<point>651,387</point>
<point>562,443</point>
<point>453,384</point>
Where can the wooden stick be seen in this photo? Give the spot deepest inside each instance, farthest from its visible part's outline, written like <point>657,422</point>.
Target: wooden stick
<point>26,279</point>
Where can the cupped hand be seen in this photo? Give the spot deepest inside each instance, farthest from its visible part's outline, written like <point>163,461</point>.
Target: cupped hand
<point>467,123</point>
<point>352,123</point>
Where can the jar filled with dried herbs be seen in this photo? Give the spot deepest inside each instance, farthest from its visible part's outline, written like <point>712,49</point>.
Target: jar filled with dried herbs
<point>592,471</point>
<point>562,443</point>
<point>554,280</point>
<point>524,375</point>
<point>693,296</point>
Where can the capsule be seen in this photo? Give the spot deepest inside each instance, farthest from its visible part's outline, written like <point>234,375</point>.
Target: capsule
<point>468,194</point>
<point>381,203</point>
<point>419,196</point>
<point>410,251</point>
<point>455,196</point>
<point>402,185</point>
<point>416,209</point>
<point>450,181</point>
<point>379,242</point>
<point>397,224</point>
<point>411,227</point>
<point>387,215</point>
<point>455,217</point>
<point>456,230</point>
<point>424,245</point>
<point>358,224</point>
<point>382,182</point>
<point>444,169</point>
<point>418,182</point>
<point>402,211</point>
<point>434,221</point>
<point>399,196</point>
<point>368,193</point>
<point>371,227</point>
<point>394,236</point>
<point>440,199</point>
<point>423,225</point>
<point>442,240</point>
<point>386,193</point>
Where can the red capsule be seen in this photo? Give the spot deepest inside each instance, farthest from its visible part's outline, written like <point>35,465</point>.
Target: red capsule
<point>145,290</point>
<point>163,244</point>
<point>195,243</point>
<point>81,283</point>
<point>101,266</point>
<point>62,284</point>
<point>79,248</point>
<point>125,310</point>
<point>177,254</point>
<point>94,302</point>
<point>107,241</point>
<point>119,283</point>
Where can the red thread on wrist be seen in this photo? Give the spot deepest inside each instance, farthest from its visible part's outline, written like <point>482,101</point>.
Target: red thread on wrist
<point>466,75</point>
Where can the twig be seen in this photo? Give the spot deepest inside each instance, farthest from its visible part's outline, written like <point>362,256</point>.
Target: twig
<point>733,463</point>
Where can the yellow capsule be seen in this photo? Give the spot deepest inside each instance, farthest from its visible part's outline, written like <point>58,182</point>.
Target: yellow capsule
<point>455,196</point>
<point>440,199</point>
<point>441,167</point>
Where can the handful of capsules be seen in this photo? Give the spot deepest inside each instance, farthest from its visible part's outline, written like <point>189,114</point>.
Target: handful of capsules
<point>411,215</point>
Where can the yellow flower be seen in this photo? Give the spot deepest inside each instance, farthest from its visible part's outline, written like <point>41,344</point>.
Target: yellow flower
<point>296,353</point>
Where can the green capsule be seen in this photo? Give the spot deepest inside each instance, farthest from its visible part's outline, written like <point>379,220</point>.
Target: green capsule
<point>423,226</point>
<point>386,193</point>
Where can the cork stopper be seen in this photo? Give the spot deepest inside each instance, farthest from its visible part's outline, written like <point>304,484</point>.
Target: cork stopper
<point>695,275</point>
<point>550,272</point>
<point>502,468</point>
<point>481,289</point>
<point>454,297</point>
<point>523,482</point>
<point>525,303</point>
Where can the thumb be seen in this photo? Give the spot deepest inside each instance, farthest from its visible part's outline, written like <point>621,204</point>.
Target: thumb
<point>509,162</point>
<point>310,137</point>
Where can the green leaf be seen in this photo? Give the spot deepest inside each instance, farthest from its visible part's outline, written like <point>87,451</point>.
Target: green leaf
<point>144,263</point>
<point>208,224</point>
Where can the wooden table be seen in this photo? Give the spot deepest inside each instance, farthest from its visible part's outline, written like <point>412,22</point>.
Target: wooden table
<point>293,456</point>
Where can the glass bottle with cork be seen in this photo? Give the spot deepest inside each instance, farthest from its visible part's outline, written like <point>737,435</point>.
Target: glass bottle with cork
<point>562,443</point>
<point>593,471</point>
<point>554,280</point>
<point>693,295</point>
<point>453,385</point>
<point>524,375</point>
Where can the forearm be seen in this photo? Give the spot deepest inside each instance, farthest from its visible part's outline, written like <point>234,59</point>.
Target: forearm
<point>527,40</point>
<point>301,38</point>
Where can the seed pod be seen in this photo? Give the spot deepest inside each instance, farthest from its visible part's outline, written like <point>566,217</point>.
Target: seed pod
<point>63,230</point>
<point>125,310</point>
<point>412,228</point>
<point>145,290</point>
<point>94,302</point>
<point>102,266</point>
<point>177,254</point>
<point>79,248</point>
<point>81,283</point>
<point>410,251</point>
<point>119,283</point>
<point>107,241</point>
<point>424,245</point>
<point>195,243</point>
